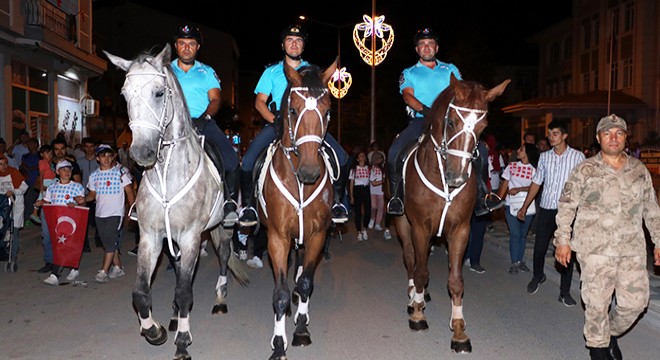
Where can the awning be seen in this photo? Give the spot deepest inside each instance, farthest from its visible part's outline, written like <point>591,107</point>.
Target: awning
<point>591,104</point>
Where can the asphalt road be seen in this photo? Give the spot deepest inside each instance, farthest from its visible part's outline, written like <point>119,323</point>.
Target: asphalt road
<point>357,311</point>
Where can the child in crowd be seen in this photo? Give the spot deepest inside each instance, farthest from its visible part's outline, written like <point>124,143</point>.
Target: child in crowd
<point>46,177</point>
<point>376,180</point>
<point>110,185</point>
<point>360,196</point>
<point>68,193</point>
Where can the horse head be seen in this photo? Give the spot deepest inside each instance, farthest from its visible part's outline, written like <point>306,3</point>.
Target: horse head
<point>459,116</point>
<point>147,89</point>
<point>306,113</point>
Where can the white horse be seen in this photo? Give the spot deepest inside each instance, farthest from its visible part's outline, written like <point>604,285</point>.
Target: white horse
<point>180,195</point>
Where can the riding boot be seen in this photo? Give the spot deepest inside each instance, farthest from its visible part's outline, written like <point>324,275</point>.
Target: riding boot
<point>230,206</point>
<point>248,214</point>
<point>395,205</point>
<point>486,201</point>
<point>339,211</point>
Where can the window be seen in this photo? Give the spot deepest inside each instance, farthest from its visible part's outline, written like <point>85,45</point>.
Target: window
<point>615,71</point>
<point>30,100</point>
<point>628,16</point>
<point>586,80</point>
<point>586,35</point>
<point>627,73</point>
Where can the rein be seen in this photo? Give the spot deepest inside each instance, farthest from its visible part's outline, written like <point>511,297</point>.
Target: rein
<point>442,151</point>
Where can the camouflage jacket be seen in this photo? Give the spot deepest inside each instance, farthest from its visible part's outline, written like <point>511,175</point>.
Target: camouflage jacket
<point>608,207</point>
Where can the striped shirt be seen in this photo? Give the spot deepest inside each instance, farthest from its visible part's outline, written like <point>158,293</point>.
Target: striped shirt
<point>552,173</point>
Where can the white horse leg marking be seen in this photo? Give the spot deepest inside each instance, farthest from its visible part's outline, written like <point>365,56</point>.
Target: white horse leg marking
<point>299,272</point>
<point>411,285</point>
<point>279,330</point>
<point>417,298</point>
<point>184,324</point>
<point>456,313</point>
<point>148,322</point>
<point>303,309</point>
<point>222,280</point>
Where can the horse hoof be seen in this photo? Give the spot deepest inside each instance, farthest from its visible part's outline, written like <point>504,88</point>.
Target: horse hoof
<point>421,325</point>
<point>182,355</point>
<point>155,335</point>
<point>277,357</point>
<point>219,309</point>
<point>461,347</point>
<point>174,324</point>
<point>301,340</point>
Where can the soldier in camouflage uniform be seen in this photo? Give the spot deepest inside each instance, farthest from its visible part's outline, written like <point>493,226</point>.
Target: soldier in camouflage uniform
<point>609,196</point>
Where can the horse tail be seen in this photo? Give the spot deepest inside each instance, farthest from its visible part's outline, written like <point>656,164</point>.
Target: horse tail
<point>237,268</point>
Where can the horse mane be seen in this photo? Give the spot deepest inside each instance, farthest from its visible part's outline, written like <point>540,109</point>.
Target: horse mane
<point>472,91</point>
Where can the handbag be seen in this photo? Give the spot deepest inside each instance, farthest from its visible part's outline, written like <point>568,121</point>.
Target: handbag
<point>516,202</point>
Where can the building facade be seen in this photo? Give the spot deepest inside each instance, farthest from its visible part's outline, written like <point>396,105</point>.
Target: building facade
<point>47,56</point>
<point>604,59</point>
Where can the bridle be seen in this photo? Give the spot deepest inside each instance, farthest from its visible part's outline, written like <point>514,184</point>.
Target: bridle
<point>442,151</point>
<point>311,104</point>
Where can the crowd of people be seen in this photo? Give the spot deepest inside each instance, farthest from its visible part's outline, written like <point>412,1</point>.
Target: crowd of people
<point>592,206</point>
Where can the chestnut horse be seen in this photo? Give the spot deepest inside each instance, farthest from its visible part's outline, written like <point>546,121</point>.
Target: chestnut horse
<point>440,168</point>
<point>296,197</point>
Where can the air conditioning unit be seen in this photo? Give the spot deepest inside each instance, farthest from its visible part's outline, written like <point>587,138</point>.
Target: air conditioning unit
<point>90,107</point>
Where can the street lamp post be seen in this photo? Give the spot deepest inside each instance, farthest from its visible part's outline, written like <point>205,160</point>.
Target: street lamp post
<point>339,73</point>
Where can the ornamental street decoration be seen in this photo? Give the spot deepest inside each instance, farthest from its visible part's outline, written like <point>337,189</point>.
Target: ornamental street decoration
<point>373,30</point>
<point>339,83</point>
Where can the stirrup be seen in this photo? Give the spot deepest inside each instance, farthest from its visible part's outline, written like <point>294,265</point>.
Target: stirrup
<point>247,216</point>
<point>339,213</point>
<point>132,213</point>
<point>493,202</point>
<point>229,212</point>
<point>395,206</point>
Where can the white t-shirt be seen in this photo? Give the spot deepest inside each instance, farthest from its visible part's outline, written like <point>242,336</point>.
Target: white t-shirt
<point>109,186</point>
<point>376,175</point>
<point>494,175</point>
<point>360,175</point>
<point>519,175</point>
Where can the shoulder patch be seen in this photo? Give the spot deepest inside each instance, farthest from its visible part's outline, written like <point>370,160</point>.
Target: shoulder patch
<point>402,79</point>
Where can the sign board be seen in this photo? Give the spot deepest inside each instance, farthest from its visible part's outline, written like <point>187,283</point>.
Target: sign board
<point>651,157</point>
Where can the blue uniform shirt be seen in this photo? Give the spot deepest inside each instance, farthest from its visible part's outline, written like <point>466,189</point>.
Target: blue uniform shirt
<point>273,82</point>
<point>427,83</point>
<point>196,84</point>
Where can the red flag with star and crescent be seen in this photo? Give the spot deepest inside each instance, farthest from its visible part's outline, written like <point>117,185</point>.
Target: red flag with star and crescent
<point>67,227</point>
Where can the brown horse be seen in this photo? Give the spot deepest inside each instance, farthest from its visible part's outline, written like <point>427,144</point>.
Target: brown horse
<point>296,198</point>
<point>440,168</point>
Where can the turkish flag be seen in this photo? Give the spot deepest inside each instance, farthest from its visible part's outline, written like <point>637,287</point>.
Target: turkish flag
<point>67,227</point>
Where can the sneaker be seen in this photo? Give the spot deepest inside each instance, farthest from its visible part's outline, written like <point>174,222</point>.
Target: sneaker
<point>395,206</point>
<point>101,276</point>
<point>52,280</point>
<point>35,219</point>
<point>477,268</point>
<point>533,285</point>
<point>359,236</point>
<point>255,262</point>
<point>247,216</point>
<point>134,251</point>
<point>242,255</point>
<point>365,237</point>
<point>387,235</point>
<point>203,252</point>
<point>522,266</point>
<point>115,272</point>
<point>567,300</point>
<point>73,274</point>
<point>339,213</point>
<point>377,227</point>
<point>371,224</point>
<point>514,268</point>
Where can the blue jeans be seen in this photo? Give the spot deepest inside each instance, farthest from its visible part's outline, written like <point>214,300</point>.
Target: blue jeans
<point>45,239</point>
<point>413,131</point>
<point>517,234</point>
<point>478,225</point>
<point>267,136</point>
<point>212,132</point>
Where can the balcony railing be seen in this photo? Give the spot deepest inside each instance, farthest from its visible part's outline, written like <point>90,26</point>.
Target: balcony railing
<point>41,13</point>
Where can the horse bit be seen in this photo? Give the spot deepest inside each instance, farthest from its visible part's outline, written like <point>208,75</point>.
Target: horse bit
<point>442,151</point>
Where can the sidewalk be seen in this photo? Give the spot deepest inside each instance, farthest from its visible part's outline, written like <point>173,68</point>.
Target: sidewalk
<point>497,237</point>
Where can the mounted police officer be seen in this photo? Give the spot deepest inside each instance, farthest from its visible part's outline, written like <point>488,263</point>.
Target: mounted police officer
<point>269,92</point>
<point>420,85</point>
<point>201,87</point>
